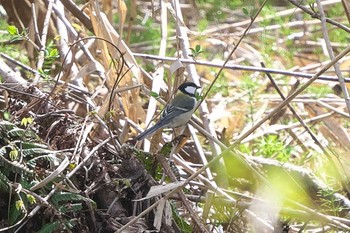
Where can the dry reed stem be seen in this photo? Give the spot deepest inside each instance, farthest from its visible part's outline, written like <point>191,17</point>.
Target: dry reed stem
<point>331,55</point>
<point>333,105</point>
<point>241,67</point>
<point>43,39</point>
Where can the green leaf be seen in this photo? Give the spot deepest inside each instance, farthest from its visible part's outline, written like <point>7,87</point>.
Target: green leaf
<point>36,159</point>
<point>17,132</point>
<point>245,11</point>
<point>4,182</point>
<point>20,205</point>
<point>26,120</point>
<point>63,197</point>
<point>12,30</point>
<point>15,213</point>
<point>166,149</point>
<point>6,115</point>
<point>51,227</point>
<point>77,27</point>
<point>154,94</point>
<point>127,182</point>
<point>13,154</point>
<point>57,37</point>
<point>31,199</point>
<point>67,208</point>
<point>198,48</point>
<point>45,73</point>
<point>53,53</point>
<point>198,96</point>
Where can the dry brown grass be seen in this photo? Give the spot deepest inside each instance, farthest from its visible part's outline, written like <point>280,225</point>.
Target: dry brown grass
<point>266,151</point>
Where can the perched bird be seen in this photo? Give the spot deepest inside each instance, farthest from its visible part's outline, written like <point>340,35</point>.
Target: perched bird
<point>178,112</point>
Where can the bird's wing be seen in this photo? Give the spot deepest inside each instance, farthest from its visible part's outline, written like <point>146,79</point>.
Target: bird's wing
<point>167,115</point>
<point>172,110</point>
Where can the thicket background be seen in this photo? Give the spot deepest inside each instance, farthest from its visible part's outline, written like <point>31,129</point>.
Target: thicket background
<point>266,151</point>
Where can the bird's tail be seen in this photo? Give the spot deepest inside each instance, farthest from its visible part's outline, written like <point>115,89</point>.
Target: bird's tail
<point>147,132</point>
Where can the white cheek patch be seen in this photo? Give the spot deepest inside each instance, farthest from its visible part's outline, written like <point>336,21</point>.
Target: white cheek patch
<point>190,89</point>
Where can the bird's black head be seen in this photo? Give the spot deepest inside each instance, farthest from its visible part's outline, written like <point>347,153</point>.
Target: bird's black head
<point>189,88</point>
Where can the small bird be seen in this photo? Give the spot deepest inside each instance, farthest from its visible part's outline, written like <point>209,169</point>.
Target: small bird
<point>178,112</point>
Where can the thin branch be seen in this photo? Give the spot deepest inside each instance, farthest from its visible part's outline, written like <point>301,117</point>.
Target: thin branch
<point>159,72</point>
<point>227,26</point>
<point>240,67</point>
<point>74,9</point>
<point>273,130</point>
<point>70,28</point>
<point>346,6</point>
<point>292,96</point>
<point>314,15</point>
<point>41,55</point>
<point>13,80</point>
<point>35,24</point>
<point>229,150</point>
<point>331,55</point>
<point>192,73</point>
<point>306,127</point>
